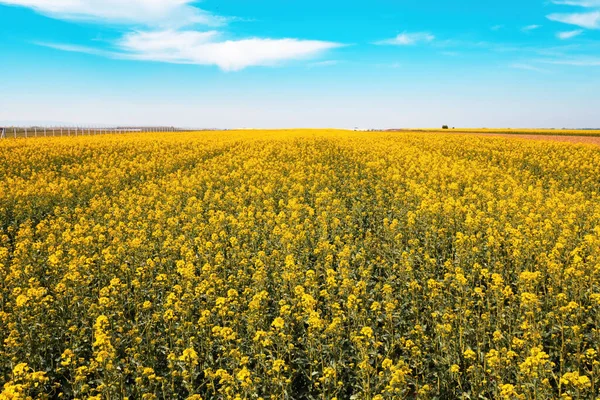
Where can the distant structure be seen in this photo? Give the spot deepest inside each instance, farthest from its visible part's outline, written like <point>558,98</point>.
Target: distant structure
<point>40,131</point>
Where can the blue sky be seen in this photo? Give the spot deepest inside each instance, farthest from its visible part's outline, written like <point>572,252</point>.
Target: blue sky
<point>268,63</point>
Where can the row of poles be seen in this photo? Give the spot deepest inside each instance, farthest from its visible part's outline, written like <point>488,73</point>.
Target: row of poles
<point>37,131</point>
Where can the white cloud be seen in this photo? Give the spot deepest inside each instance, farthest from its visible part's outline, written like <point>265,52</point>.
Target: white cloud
<point>163,13</point>
<point>326,63</point>
<point>527,67</point>
<point>171,42</point>
<point>589,20</point>
<point>530,28</point>
<point>569,34</point>
<point>409,39</point>
<point>388,65</point>
<point>576,62</point>
<point>578,3</point>
<point>80,49</point>
<point>206,48</point>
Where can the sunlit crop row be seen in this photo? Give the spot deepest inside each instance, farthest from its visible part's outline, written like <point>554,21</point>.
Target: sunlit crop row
<point>299,265</point>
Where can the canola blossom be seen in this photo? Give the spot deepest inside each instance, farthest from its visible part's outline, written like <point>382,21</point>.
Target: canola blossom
<point>299,265</point>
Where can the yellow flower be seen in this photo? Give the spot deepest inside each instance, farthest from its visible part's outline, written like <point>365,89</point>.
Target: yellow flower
<point>22,300</point>
<point>278,365</point>
<point>243,375</point>
<point>329,374</point>
<point>578,381</point>
<point>189,356</point>
<point>367,332</point>
<point>67,358</point>
<point>278,323</point>
<point>469,354</point>
<point>508,392</point>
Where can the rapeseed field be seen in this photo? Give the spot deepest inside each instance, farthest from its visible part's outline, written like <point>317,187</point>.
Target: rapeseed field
<point>299,265</point>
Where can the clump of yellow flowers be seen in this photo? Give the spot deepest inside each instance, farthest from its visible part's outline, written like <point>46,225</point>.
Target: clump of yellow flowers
<point>315,264</point>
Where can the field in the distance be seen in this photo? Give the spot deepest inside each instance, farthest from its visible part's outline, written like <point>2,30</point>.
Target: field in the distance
<point>508,131</point>
<point>299,265</point>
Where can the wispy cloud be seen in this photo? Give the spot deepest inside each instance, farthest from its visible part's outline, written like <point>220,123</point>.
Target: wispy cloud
<point>588,20</point>
<point>575,61</point>
<point>578,3</point>
<point>569,34</point>
<point>530,28</point>
<point>408,39</point>
<point>326,63</point>
<point>393,65</point>
<point>450,53</point>
<point>171,13</point>
<point>206,48</point>
<point>497,27</point>
<point>565,49</point>
<point>82,49</point>
<point>528,67</point>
